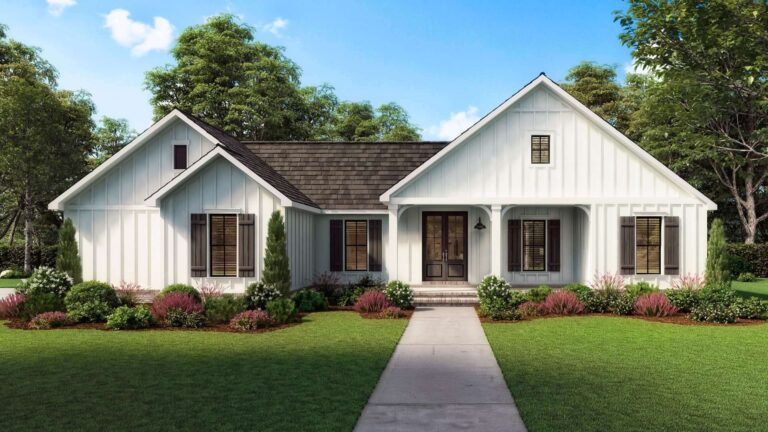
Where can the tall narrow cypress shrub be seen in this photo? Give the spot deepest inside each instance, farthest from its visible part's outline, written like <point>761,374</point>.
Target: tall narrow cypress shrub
<point>277,272</point>
<point>717,274</point>
<point>67,258</point>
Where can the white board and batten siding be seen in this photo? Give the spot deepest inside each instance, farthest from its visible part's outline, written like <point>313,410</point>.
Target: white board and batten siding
<point>589,168</point>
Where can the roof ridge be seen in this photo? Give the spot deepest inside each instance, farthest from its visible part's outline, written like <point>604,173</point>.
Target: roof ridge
<point>340,142</point>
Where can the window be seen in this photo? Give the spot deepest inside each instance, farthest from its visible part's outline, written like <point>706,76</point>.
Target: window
<point>648,245</point>
<point>533,245</point>
<point>223,245</point>
<point>179,157</point>
<point>356,245</point>
<point>539,149</point>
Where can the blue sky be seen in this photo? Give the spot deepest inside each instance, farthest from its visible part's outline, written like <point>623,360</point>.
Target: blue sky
<point>447,62</point>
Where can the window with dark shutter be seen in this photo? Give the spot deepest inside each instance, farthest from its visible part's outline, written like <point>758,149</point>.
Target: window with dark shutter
<point>179,157</point>
<point>553,245</point>
<point>355,245</point>
<point>672,245</point>
<point>337,245</point>
<point>534,257</point>
<point>539,149</point>
<point>198,240</point>
<point>223,245</point>
<point>514,246</point>
<point>648,245</point>
<point>374,249</point>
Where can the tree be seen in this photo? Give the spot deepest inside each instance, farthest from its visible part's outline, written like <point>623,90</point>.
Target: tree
<point>277,272</point>
<point>111,136</point>
<point>394,124</point>
<point>716,273</point>
<point>595,86</point>
<point>221,74</point>
<point>713,84</point>
<point>355,121</point>
<point>45,136</point>
<point>67,257</point>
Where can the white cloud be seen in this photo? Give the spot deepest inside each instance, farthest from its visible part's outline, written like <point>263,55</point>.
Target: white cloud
<point>56,7</point>
<point>140,37</point>
<point>276,26</point>
<point>456,123</point>
<point>635,68</point>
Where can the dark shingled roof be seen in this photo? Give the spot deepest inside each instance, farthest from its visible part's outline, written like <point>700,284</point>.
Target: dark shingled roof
<point>253,162</point>
<point>344,175</point>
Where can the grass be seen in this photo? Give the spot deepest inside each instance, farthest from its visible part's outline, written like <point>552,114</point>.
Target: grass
<point>758,288</point>
<point>9,283</point>
<point>624,374</point>
<point>313,377</point>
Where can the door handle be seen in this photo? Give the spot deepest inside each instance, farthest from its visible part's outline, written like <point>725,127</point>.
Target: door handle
<point>445,255</point>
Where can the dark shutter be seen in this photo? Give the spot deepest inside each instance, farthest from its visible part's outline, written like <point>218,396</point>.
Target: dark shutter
<point>514,246</point>
<point>247,245</point>
<point>337,245</point>
<point>374,245</point>
<point>672,245</point>
<point>627,245</point>
<point>553,245</point>
<point>199,246</point>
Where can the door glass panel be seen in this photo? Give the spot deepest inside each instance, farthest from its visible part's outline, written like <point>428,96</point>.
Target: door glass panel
<point>434,240</point>
<point>455,237</point>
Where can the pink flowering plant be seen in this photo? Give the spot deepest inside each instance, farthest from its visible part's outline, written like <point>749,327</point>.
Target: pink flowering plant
<point>178,309</point>
<point>250,320</point>
<point>372,301</point>
<point>654,304</point>
<point>562,303</point>
<point>11,306</point>
<point>690,281</point>
<point>49,320</point>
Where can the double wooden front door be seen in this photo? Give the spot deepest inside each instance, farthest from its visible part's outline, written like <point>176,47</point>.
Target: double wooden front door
<point>444,244</point>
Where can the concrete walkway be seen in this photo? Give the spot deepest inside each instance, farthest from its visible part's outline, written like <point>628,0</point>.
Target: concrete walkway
<point>442,377</point>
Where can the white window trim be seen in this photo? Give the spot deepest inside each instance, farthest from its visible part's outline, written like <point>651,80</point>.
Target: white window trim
<point>553,141</point>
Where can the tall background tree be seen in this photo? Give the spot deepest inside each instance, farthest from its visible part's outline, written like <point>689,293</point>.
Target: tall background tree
<point>709,104</point>
<point>110,136</point>
<point>223,75</point>
<point>45,137</point>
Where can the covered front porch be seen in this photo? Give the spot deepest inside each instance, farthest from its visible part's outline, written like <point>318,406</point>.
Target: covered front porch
<point>455,246</point>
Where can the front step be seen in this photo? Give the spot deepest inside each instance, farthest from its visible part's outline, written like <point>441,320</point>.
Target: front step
<point>444,296</point>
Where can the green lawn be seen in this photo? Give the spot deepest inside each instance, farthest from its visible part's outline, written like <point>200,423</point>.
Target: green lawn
<point>748,289</point>
<point>9,283</point>
<point>624,374</point>
<point>313,377</point>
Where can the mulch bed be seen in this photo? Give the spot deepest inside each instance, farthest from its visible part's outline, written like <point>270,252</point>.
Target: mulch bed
<point>222,328</point>
<point>407,313</point>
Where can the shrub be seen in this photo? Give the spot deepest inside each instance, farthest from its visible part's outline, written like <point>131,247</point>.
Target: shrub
<point>747,277</point>
<point>12,274</point>
<point>210,290</point>
<point>500,310</point>
<point>684,299</point>
<point>715,312</point>
<point>91,301</point>
<point>12,306</point>
<point>180,288</point>
<point>349,295</point>
<point>529,309</point>
<point>755,255</point>
<point>368,282</point>
<point>39,303</point>
<point>13,256</point>
<point>751,308</point>
<point>281,310</point>
<point>562,303</point>
<point>128,293</point>
<point>222,309</point>
<point>724,295</point>
<point>654,304</point>
<point>688,282</point>
<point>130,318</point>
<point>277,272</point>
<point>45,280</point>
<point>583,292</point>
<point>641,287</point>
<point>258,294</point>
<point>538,294</point>
<point>608,282</point>
<point>372,302</point>
<point>602,300</point>
<point>177,309</point>
<point>735,264</point>
<point>716,272</point>
<point>392,312</point>
<point>67,258</point>
<point>623,304</point>
<point>493,289</point>
<point>49,320</point>
<point>250,320</point>
<point>399,294</point>
<point>328,284</point>
<point>309,300</point>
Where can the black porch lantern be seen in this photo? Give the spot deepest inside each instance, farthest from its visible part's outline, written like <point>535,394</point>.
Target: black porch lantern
<point>479,225</point>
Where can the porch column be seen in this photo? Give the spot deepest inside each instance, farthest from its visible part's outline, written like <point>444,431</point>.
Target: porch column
<point>496,240</point>
<point>392,248</point>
